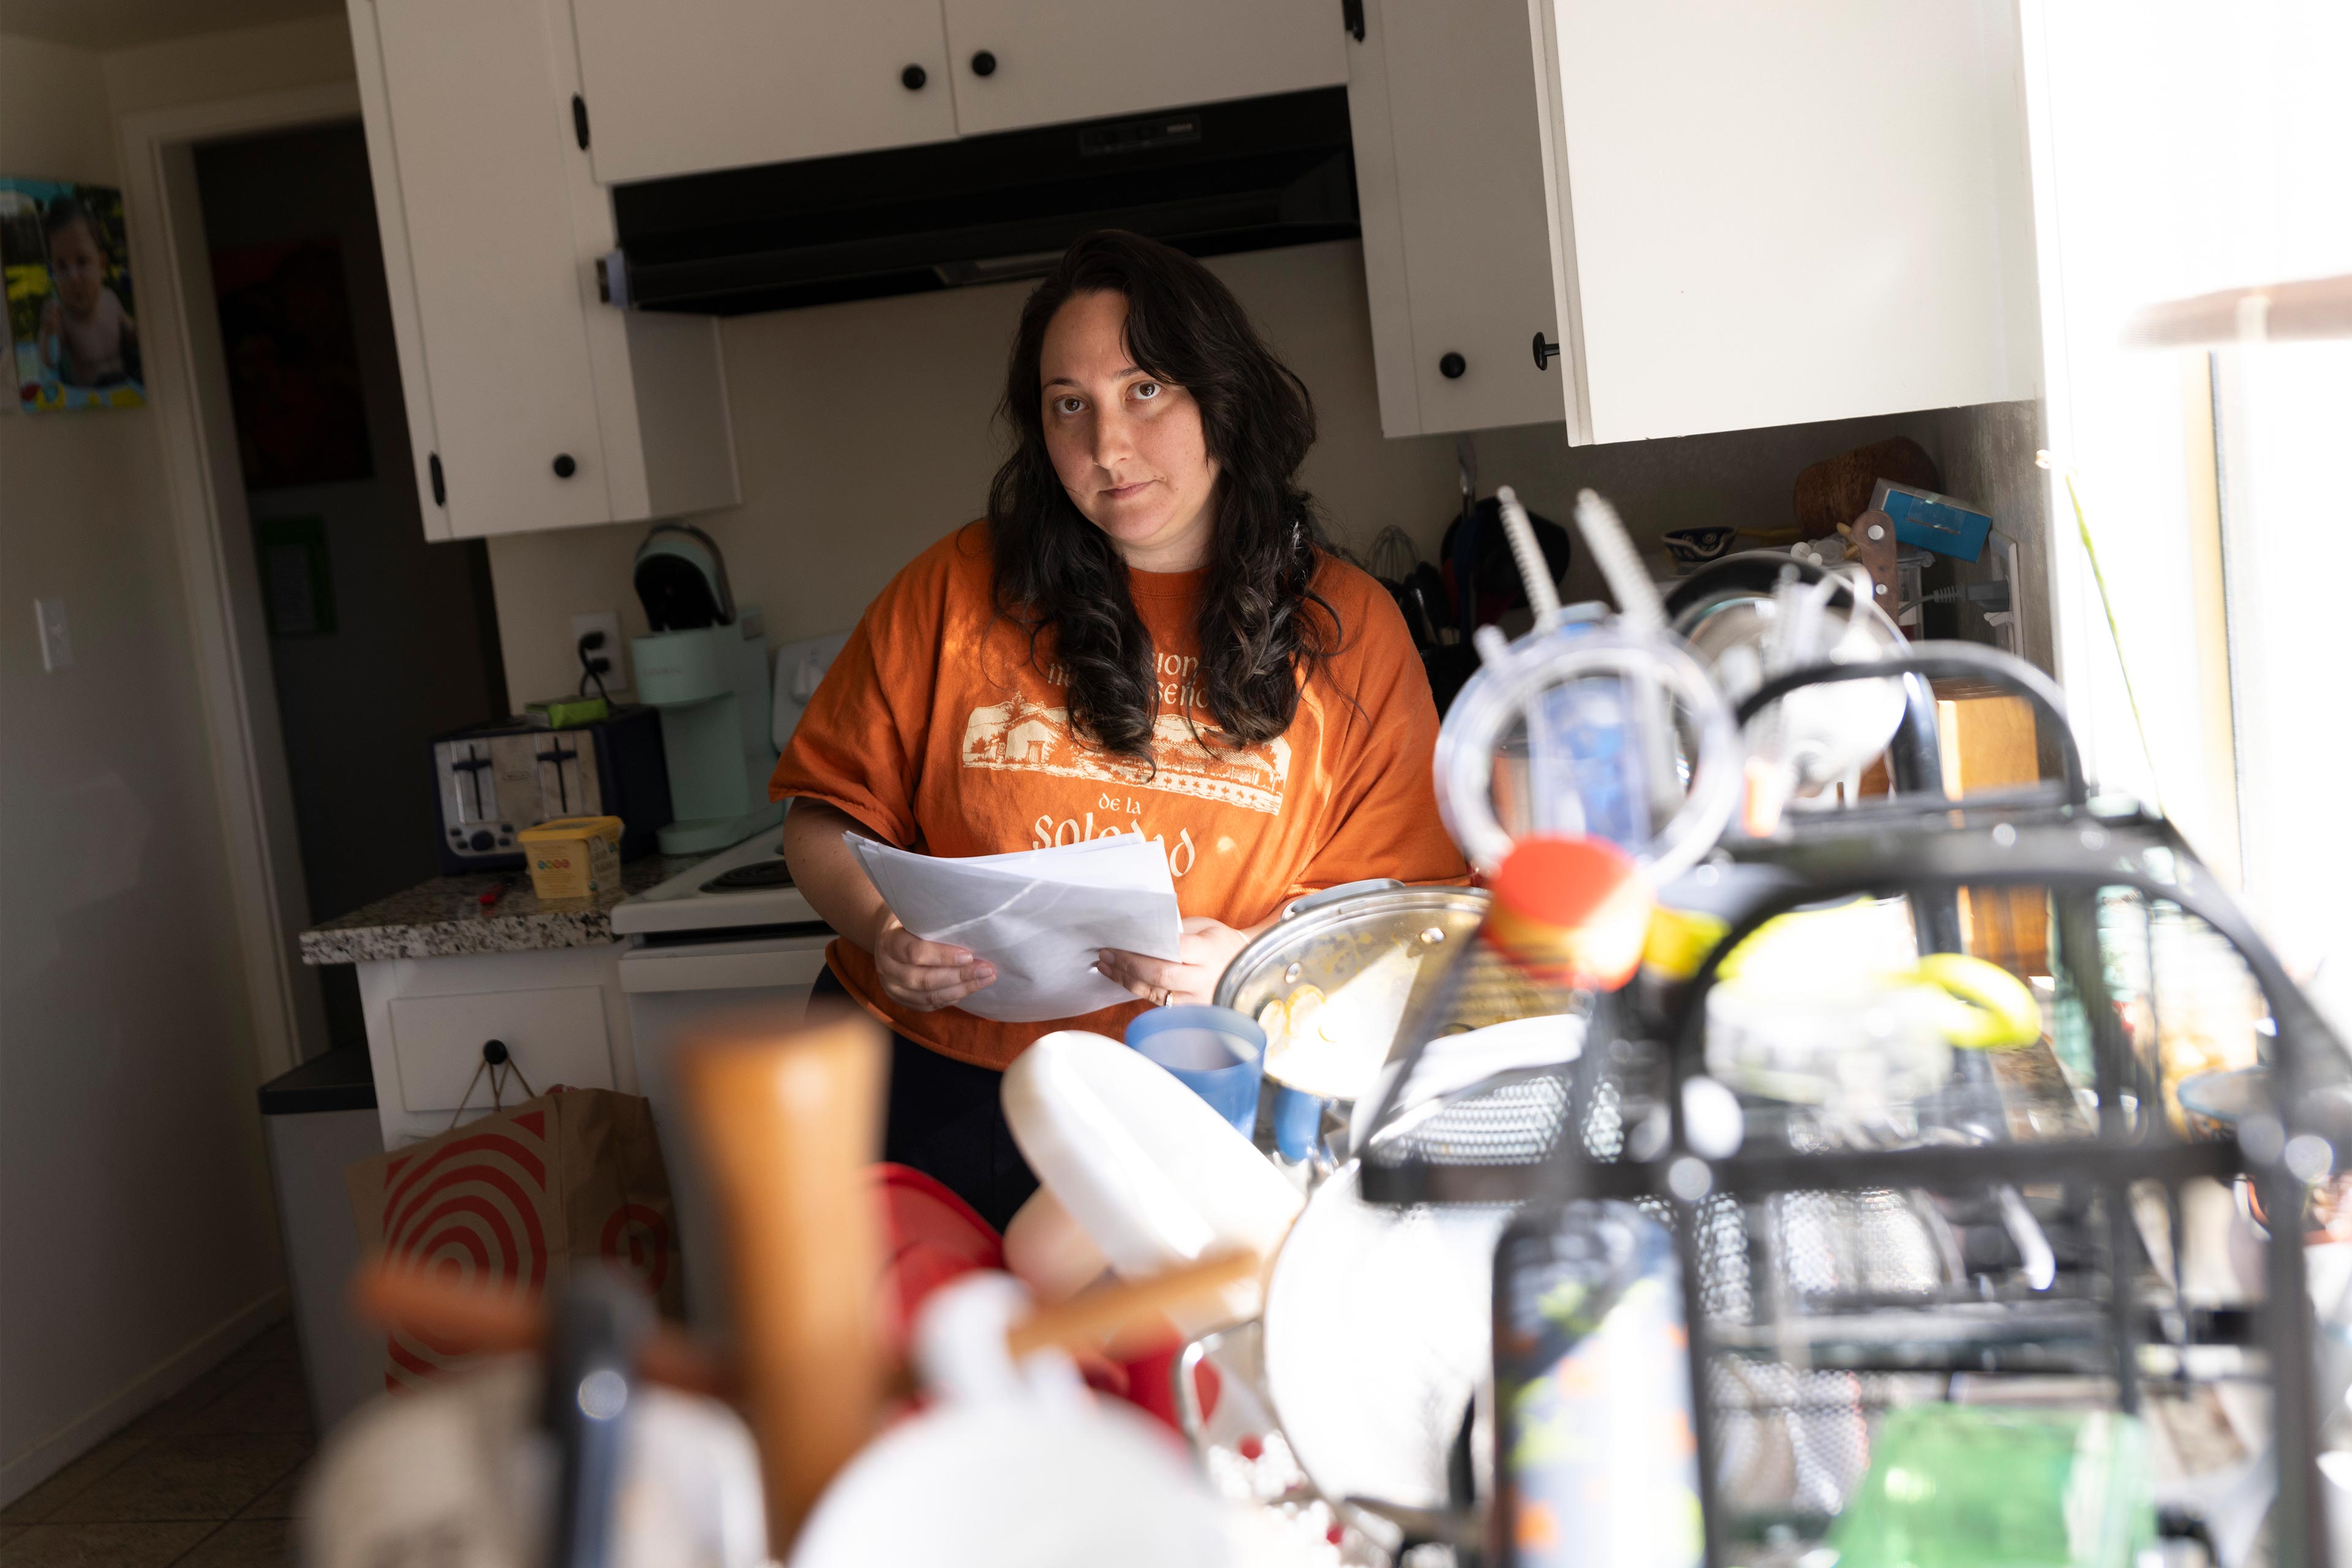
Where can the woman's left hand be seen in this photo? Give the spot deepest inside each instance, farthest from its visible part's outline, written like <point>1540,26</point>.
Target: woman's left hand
<point>1190,978</point>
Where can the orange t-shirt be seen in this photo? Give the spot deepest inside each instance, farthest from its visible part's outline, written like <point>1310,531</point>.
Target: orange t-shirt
<point>937,730</point>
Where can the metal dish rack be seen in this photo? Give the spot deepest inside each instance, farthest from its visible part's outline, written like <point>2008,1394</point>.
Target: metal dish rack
<point>1805,1364</point>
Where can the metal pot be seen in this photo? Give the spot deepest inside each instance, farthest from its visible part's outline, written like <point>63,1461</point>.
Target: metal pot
<point>1327,938</point>
<point>1372,951</point>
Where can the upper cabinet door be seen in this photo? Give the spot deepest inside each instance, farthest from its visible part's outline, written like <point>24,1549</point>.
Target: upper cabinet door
<point>676,87</point>
<point>1768,215</point>
<point>1042,62</point>
<point>1449,171</point>
<point>479,134</point>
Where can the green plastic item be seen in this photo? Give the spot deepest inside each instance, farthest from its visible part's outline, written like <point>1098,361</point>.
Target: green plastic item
<point>568,712</point>
<point>1978,1486</point>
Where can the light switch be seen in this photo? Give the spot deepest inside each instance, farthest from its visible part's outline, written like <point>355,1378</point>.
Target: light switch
<point>56,643</point>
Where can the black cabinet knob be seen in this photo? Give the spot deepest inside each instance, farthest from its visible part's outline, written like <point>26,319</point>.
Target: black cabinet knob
<point>913,77</point>
<point>983,64</point>
<point>564,467</point>
<point>1452,366</point>
<point>494,1052</point>
<point>1546,351</point>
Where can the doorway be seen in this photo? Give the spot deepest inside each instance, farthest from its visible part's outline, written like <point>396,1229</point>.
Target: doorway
<point>378,639</point>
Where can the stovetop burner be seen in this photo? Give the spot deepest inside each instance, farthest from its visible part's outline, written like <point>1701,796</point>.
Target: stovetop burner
<point>758,874</point>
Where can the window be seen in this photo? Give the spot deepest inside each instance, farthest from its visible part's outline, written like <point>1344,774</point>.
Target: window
<point>2194,245</point>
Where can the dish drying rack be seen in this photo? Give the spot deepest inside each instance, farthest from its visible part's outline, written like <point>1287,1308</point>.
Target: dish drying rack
<point>2100,1147</point>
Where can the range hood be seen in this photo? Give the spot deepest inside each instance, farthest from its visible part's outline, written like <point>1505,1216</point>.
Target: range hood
<point>1244,175</point>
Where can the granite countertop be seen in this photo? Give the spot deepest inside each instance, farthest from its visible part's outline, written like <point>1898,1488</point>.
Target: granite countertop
<point>445,917</point>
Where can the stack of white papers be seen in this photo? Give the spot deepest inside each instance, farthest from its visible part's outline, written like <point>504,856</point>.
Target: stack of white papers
<point>1039,916</point>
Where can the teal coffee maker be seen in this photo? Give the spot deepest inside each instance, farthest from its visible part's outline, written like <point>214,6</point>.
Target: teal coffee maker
<point>704,668</point>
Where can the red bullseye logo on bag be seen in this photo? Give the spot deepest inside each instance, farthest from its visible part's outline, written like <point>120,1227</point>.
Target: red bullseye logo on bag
<point>471,1211</point>
<point>514,1199</point>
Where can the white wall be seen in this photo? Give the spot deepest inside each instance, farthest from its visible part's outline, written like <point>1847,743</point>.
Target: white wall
<point>137,1239</point>
<point>865,432</point>
<point>215,66</point>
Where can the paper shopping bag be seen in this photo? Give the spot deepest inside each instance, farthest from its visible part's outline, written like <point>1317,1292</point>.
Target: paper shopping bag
<point>515,1199</point>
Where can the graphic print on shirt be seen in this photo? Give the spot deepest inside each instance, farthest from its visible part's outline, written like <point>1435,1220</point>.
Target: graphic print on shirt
<point>1025,736</point>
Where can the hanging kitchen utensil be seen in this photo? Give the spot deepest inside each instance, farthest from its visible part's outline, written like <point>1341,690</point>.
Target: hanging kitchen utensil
<point>1485,574</point>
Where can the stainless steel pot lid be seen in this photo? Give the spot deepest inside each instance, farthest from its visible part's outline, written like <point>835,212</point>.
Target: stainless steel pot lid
<point>1333,980</point>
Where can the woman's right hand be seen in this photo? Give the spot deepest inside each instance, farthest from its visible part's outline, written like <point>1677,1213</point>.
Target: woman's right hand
<point>926,975</point>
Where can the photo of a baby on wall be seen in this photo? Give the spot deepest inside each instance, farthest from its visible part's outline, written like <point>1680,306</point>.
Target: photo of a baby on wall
<point>70,323</point>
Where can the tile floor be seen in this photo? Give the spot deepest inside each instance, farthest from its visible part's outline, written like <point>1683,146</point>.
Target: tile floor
<point>206,1480</point>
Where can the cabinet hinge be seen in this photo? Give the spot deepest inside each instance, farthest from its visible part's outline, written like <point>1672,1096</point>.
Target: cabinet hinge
<point>580,120</point>
<point>440,490</point>
<point>1351,17</point>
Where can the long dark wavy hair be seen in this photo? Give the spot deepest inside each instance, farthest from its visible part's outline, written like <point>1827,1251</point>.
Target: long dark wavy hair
<point>1057,574</point>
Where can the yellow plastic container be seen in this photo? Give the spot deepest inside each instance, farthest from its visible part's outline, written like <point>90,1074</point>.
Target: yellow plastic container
<point>573,856</point>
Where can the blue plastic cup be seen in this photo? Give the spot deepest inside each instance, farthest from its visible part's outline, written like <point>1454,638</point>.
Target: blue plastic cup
<point>1297,1122</point>
<point>1215,1052</point>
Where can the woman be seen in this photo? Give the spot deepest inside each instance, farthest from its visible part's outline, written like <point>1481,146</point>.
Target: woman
<point>1145,635</point>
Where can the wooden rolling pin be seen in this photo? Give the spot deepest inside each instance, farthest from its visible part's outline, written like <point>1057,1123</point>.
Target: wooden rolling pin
<point>785,1127</point>
<point>482,1318</point>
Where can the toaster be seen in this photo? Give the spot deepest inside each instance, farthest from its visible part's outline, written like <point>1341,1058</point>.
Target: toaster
<point>492,782</point>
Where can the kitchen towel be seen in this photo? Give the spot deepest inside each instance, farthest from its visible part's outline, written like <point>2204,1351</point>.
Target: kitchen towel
<point>1038,915</point>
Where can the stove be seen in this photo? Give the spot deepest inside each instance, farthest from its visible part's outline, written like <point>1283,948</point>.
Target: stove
<point>752,878</point>
<point>726,948</point>
<point>745,886</point>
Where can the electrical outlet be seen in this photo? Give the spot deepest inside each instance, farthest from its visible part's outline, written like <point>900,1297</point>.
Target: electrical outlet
<point>616,679</point>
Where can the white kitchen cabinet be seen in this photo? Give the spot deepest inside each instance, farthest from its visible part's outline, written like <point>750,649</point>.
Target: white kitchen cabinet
<point>1450,177</point>
<point>438,1042</point>
<point>684,86</point>
<point>561,1014</point>
<point>1766,215</point>
<point>1041,62</point>
<point>530,405</point>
